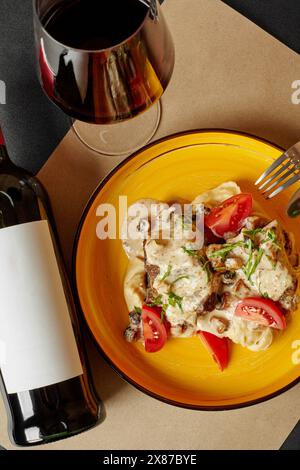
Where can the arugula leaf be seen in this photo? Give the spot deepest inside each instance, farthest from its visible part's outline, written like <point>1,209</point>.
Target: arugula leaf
<point>167,273</point>
<point>138,310</point>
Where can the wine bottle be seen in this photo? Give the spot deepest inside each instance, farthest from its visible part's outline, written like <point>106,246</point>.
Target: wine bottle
<point>44,378</point>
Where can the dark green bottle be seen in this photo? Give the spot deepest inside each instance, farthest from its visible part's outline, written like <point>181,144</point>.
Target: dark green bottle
<point>44,378</point>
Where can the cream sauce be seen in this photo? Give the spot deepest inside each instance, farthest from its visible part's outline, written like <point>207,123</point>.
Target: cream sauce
<point>185,276</point>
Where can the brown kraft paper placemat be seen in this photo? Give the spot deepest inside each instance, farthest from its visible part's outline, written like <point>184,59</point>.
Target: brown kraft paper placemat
<point>229,74</point>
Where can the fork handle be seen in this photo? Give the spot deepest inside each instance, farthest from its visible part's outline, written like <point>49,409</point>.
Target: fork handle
<point>294,205</point>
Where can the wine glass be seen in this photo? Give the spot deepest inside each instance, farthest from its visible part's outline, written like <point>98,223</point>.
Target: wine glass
<point>103,63</point>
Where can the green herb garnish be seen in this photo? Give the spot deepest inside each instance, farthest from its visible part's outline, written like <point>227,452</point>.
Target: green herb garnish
<point>206,266</point>
<point>252,233</point>
<point>205,263</point>
<point>248,268</point>
<point>190,252</point>
<point>175,300</point>
<point>272,237</point>
<point>163,311</point>
<point>227,248</point>
<point>265,295</point>
<point>157,302</point>
<point>257,261</point>
<point>179,279</point>
<point>167,273</point>
<point>249,245</point>
<point>251,264</point>
<point>138,310</point>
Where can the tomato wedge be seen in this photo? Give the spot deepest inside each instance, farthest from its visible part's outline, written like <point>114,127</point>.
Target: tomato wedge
<point>155,331</point>
<point>229,217</point>
<point>218,348</point>
<point>263,311</point>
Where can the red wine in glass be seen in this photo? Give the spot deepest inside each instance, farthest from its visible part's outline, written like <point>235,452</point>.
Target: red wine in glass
<point>102,62</point>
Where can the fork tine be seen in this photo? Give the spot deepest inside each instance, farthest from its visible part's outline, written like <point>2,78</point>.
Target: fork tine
<point>271,168</point>
<point>279,180</point>
<point>274,176</point>
<point>286,185</point>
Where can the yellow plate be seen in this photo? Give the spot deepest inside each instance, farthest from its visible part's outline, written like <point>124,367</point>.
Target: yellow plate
<point>182,373</point>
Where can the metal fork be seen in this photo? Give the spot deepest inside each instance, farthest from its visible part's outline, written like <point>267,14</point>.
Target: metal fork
<point>282,174</point>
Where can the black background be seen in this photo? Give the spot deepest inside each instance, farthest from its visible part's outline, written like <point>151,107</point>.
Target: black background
<point>281,18</point>
<point>33,126</point>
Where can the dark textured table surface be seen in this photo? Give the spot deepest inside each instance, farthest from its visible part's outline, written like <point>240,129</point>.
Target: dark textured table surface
<point>33,126</point>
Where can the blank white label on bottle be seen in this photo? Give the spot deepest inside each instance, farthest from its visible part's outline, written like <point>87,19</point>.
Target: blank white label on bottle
<point>38,346</point>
